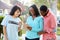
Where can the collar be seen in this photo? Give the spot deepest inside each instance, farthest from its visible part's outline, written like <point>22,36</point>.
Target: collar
<point>48,14</point>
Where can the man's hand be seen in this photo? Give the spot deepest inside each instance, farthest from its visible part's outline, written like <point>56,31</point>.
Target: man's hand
<point>42,32</point>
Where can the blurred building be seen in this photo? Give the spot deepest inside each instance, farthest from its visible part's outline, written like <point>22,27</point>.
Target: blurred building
<point>3,7</point>
<point>18,3</point>
<point>6,5</point>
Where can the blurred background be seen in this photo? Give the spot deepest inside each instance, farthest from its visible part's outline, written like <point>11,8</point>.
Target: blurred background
<point>6,5</point>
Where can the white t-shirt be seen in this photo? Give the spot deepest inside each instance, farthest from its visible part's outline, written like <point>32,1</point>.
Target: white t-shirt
<point>11,27</point>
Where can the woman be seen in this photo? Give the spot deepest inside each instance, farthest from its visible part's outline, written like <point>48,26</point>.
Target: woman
<point>11,24</point>
<point>34,24</point>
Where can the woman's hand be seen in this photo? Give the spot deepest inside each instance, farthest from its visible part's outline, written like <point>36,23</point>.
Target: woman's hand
<point>19,28</point>
<point>5,38</point>
<point>28,27</point>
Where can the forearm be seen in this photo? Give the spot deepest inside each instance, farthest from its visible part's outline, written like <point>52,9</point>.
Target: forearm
<point>4,31</point>
<point>26,26</point>
<point>19,29</point>
<point>41,32</point>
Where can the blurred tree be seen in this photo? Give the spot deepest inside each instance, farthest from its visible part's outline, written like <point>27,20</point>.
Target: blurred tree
<point>26,10</point>
<point>58,5</point>
<point>53,6</point>
<point>1,28</point>
<point>40,2</point>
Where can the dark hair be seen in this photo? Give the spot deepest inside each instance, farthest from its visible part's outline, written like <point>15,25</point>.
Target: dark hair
<point>14,9</point>
<point>43,8</point>
<point>35,10</point>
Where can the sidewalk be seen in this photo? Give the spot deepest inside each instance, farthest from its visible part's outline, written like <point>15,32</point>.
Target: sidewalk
<point>58,37</point>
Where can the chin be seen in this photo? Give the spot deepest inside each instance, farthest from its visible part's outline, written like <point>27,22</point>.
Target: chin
<point>16,16</point>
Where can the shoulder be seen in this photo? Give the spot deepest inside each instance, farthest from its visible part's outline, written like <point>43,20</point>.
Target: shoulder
<point>7,17</point>
<point>18,19</point>
<point>40,17</point>
<point>29,17</point>
<point>52,15</point>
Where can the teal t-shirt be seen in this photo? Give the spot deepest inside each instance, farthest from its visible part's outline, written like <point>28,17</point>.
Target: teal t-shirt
<point>36,24</point>
<point>11,27</point>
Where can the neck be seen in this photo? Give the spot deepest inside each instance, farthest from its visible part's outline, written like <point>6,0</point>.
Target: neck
<point>34,16</point>
<point>14,16</point>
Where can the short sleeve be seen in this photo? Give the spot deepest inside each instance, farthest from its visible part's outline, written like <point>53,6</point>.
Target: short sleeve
<point>4,21</point>
<point>19,19</point>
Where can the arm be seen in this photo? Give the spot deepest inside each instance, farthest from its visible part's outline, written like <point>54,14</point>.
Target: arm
<point>5,33</point>
<point>53,25</point>
<point>26,24</point>
<point>27,27</point>
<point>4,24</point>
<point>19,27</point>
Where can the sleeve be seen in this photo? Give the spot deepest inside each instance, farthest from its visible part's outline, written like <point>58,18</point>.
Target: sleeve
<point>53,22</point>
<point>27,21</point>
<point>53,25</point>
<point>4,21</point>
<point>41,23</point>
<point>19,19</point>
<point>19,22</point>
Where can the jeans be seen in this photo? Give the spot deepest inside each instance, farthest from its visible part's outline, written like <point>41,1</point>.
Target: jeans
<point>31,39</point>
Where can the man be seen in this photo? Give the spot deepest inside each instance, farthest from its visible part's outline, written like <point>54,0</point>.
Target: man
<point>49,24</point>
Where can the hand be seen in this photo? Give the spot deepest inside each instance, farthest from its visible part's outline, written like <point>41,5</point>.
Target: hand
<point>5,38</point>
<point>42,32</point>
<point>29,28</point>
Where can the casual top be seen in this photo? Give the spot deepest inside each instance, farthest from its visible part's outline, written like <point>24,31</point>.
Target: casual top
<point>11,27</point>
<point>36,24</point>
<point>49,26</point>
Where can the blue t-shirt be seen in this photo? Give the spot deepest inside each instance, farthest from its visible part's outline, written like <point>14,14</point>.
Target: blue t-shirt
<point>11,27</point>
<point>36,24</point>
